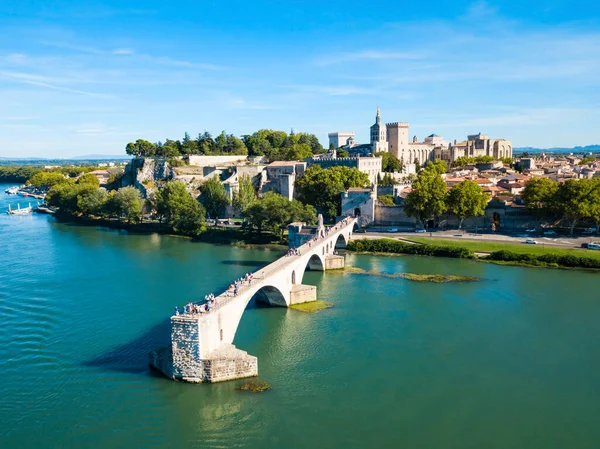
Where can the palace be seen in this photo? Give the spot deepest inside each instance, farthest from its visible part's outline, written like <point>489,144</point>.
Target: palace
<point>394,138</point>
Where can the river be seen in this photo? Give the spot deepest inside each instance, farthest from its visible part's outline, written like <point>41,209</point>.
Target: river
<point>511,361</point>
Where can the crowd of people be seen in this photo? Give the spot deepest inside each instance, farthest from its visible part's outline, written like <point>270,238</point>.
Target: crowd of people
<point>210,301</point>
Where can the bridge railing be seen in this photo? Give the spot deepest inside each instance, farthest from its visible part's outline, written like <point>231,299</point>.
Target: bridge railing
<point>262,274</point>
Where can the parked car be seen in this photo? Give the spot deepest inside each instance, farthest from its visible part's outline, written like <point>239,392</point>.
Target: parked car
<point>595,246</point>
<point>585,245</point>
<point>549,233</point>
<point>530,230</point>
<point>589,231</point>
<point>393,230</point>
<point>531,242</point>
<point>420,230</point>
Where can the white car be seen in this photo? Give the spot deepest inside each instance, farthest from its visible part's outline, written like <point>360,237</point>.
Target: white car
<point>549,233</point>
<point>393,230</point>
<point>530,230</point>
<point>420,230</point>
<point>531,242</point>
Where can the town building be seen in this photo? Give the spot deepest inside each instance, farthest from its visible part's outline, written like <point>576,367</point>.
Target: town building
<point>340,139</point>
<point>370,165</point>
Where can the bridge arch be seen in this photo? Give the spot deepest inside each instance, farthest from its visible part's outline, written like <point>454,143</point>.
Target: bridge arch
<point>269,294</point>
<point>341,241</point>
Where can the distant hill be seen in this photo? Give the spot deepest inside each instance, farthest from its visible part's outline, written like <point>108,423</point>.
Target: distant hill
<point>99,157</point>
<point>586,149</point>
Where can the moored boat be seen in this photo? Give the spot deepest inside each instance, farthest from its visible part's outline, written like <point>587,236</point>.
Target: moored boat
<point>12,190</point>
<point>19,211</point>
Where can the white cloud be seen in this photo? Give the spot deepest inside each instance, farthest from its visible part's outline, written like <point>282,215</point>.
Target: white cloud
<point>122,51</point>
<point>373,55</point>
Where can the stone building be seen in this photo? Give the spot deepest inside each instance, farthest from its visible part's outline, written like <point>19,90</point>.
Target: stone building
<point>478,145</point>
<point>280,177</point>
<point>340,139</point>
<point>360,203</point>
<point>370,165</point>
<point>378,135</point>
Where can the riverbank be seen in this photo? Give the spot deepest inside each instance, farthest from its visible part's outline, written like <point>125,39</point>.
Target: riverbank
<point>216,235</point>
<point>547,260</point>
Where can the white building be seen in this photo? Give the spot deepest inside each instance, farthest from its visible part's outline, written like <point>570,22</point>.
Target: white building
<point>341,139</point>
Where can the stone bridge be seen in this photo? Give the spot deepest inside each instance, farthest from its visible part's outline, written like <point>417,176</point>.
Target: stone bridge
<point>202,347</point>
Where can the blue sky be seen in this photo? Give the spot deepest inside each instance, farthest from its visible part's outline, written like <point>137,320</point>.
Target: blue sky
<point>88,77</point>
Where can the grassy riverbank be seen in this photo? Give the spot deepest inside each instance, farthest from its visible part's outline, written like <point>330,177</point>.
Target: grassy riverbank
<point>520,248</point>
<point>313,306</point>
<point>553,259</point>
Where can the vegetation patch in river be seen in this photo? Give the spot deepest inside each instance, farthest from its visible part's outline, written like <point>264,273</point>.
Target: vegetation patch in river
<point>254,386</point>
<point>313,306</point>
<point>438,278</point>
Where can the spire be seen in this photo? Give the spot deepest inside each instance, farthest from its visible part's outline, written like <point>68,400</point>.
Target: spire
<point>378,118</point>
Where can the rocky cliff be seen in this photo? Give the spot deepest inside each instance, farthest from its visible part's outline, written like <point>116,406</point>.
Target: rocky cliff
<point>145,174</point>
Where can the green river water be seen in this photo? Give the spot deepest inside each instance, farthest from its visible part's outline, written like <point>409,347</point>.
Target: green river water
<point>512,361</point>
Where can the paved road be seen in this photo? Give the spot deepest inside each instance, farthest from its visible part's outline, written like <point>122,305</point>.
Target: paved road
<point>456,235</point>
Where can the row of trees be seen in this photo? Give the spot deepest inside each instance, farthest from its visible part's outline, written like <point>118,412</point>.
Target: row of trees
<point>573,201</point>
<point>275,145</point>
<point>430,198</point>
<point>22,173</point>
<point>466,160</point>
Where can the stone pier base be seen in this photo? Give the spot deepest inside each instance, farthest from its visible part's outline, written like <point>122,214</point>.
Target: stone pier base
<point>334,262</point>
<point>303,293</point>
<point>226,363</point>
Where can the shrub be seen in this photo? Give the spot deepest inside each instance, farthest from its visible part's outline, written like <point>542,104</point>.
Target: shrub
<point>397,247</point>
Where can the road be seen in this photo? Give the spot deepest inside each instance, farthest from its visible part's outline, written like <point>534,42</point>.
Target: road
<point>563,242</point>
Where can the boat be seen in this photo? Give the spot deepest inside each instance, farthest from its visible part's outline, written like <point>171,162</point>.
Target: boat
<point>19,211</point>
<point>12,190</point>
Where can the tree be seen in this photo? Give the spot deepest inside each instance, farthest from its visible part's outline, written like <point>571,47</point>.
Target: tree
<point>274,212</point>
<point>179,209</point>
<point>463,160</point>
<point>92,202</point>
<point>438,166</point>
<point>572,199</point>
<point>245,194</point>
<point>594,203</point>
<point>386,200</point>
<point>417,165</point>
<point>140,148</point>
<point>389,162</point>
<point>88,179</point>
<point>539,195</point>
<point>322,188</point>
<point>387,180</point>
<point>484,159</point>
<point>427,198</point>
<point>298,152</point>
<point>342,153</point>
<point>127,202</point>
<point>214,197</point>
<point>47,180</point>
<point>467,199</point>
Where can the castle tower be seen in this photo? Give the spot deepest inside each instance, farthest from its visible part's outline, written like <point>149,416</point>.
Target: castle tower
<point>378,135</point>
<point>397,134</point>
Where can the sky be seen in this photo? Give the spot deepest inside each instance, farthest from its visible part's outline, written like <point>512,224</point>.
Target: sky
<point>88,77</point>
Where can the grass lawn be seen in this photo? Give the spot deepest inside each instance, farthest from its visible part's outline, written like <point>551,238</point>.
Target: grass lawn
<point>490,247</point>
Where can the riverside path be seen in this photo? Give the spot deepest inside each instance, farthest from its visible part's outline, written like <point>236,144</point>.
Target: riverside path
<point>202,347</point>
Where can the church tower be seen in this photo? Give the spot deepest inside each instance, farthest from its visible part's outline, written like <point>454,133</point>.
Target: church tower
<point>378,135</point>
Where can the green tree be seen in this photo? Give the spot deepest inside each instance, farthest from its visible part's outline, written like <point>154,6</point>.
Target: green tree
<point>46,180</point>
<point>594,203</point>
<point>417,165</point>
<point>484,159</point>
<point>463,160</point>
<point>386,200</point>
<point>141,148</point>
<point>88,179</point>
<point>298,152</point>
<point>179,209</point>
<point>387,180</point>
<point>322,188</point>
<point>389,162</point>
<point>245,194</point>
<point>467,199</point>
<point>427,198</point>
<point>127,202</point>
<point>342,153</point>
<point>214,197</point>
<point>572,199</point>
<point>539,195</point>
<point>438,166</point>
<point>274,212</point>
<point>92,202</point>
